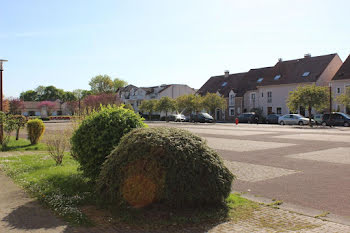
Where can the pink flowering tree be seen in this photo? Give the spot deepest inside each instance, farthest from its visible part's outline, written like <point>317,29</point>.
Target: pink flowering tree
<point>15,106</point>
<point>49,105</point>
<point>93,102</point>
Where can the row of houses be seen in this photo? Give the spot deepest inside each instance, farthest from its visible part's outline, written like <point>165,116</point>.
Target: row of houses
<point>135,95</point>
<point>267,88</point>
<point>264,88</point>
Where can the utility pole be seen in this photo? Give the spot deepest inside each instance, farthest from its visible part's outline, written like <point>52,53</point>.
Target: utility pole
<point>1,99</point>
<point>330,104</point>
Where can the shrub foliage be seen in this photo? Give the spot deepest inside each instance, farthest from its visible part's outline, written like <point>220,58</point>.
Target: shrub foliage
<point>163,165</point>
<point>35,129</point>
<point>98,134</point>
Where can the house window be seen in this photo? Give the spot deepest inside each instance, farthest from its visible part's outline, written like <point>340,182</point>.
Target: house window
<point>262,94</point>
<point>260,80</point>
<point>277,77</point>
<point>238,110</point>
<point>279,110</point>
<point>269,97</point>
<point>338,90</point>
<point>306,74</point>
<point>232,111</point>
<point>252,98</point>
<point>232,100</point>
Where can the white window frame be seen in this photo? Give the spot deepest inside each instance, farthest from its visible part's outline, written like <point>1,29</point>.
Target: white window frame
<point>251,98</point>
<point>232,99</point>
<point>269,97</point>
<point>229,111</point>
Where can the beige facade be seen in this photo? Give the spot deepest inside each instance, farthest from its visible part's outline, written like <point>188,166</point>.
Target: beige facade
<point>176,90</point>
<point>339,87</point>
<point>273,98</point>
<point>135,95</point>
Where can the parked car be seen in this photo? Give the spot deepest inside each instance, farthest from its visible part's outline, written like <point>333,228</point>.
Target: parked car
<point>180,118</point>
<point>294,119</point>
<point>248,117</point>
<point>318,119</point>
<point>336,119</point>
<point>202,117</point>
<point>272,118</point>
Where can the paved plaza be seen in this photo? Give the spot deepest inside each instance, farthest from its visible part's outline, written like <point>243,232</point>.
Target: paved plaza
<point>307,169</point>
<point>298,165</point>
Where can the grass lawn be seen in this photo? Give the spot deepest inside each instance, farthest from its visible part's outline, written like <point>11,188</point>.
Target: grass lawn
<point>71,196</point>
<point>24,145</point>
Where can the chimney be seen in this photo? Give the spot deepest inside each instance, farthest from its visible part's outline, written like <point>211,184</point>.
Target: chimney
<point>280,59</point>
<point>307,55</point>
<point>227,73</point>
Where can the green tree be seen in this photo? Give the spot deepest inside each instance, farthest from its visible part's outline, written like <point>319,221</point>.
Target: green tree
<point>69,96</point>
<point>101,84</point>
<point>309,96</point>
<point>212,101</point>
<point>51,93</point>
<point>344,99</point>
<point>148,106</point>
<point>29,96</point>
<point>9,125</point>
<point>189,103</point>
<point>166,104</point>
<point>118,83</point>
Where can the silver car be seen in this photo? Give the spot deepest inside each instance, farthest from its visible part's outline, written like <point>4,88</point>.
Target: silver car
<point>294,119</point>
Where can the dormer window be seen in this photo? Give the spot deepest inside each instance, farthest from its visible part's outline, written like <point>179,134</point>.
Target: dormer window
<point>260,80</point>
<point>277,77</point>
<point>306,74</point>
<point>224,84</point>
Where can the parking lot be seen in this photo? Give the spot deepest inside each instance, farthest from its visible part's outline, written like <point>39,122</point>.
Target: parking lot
<point>308,167</point>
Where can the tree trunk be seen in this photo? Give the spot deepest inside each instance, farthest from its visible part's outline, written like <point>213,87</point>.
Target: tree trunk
<point>309,109</point>
<point>17,134</point>
<point>150,115</point>
<point>166,116</point>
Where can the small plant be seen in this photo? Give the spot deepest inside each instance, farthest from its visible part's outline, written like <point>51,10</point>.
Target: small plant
<point>164,165</point>
<point>57,144</point>
<point>98,134</point>
<point>35,129</point>
<point>20,122</point>
<point>9,125</point>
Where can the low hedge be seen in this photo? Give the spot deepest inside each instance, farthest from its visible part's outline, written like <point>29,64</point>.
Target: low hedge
<point>163,165</point>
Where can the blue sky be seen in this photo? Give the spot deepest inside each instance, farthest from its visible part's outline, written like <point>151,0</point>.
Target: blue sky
<point>151,42</point>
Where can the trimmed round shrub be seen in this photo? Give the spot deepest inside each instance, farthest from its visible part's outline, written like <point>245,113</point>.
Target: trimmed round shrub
<point>35,129</point>
<point>163,165</point>
<point>98,134</point>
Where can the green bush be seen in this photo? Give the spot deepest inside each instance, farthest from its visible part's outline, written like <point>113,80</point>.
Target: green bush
<point>163,165</point>
<point>98,134</point>
<point>35,129</point>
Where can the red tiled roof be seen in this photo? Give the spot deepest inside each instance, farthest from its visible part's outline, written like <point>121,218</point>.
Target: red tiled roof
<point>292,71</point>
<point>344,71</point>
<point>217,84</point>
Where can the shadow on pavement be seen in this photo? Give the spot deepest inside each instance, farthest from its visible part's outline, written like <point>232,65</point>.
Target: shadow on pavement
<point>31,216</point>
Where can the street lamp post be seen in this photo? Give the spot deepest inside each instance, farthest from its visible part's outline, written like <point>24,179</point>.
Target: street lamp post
<point>330,104</point>
<point>1,98</point>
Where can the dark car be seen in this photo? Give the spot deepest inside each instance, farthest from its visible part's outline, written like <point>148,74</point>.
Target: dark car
<point>272,118</point>
<point>336,119</point>
<point>202,117</point>
<point>248,117</point>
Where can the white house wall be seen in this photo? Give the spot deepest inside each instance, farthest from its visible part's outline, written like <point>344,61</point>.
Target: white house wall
<point>175,91</point>
<point>341,85</point>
